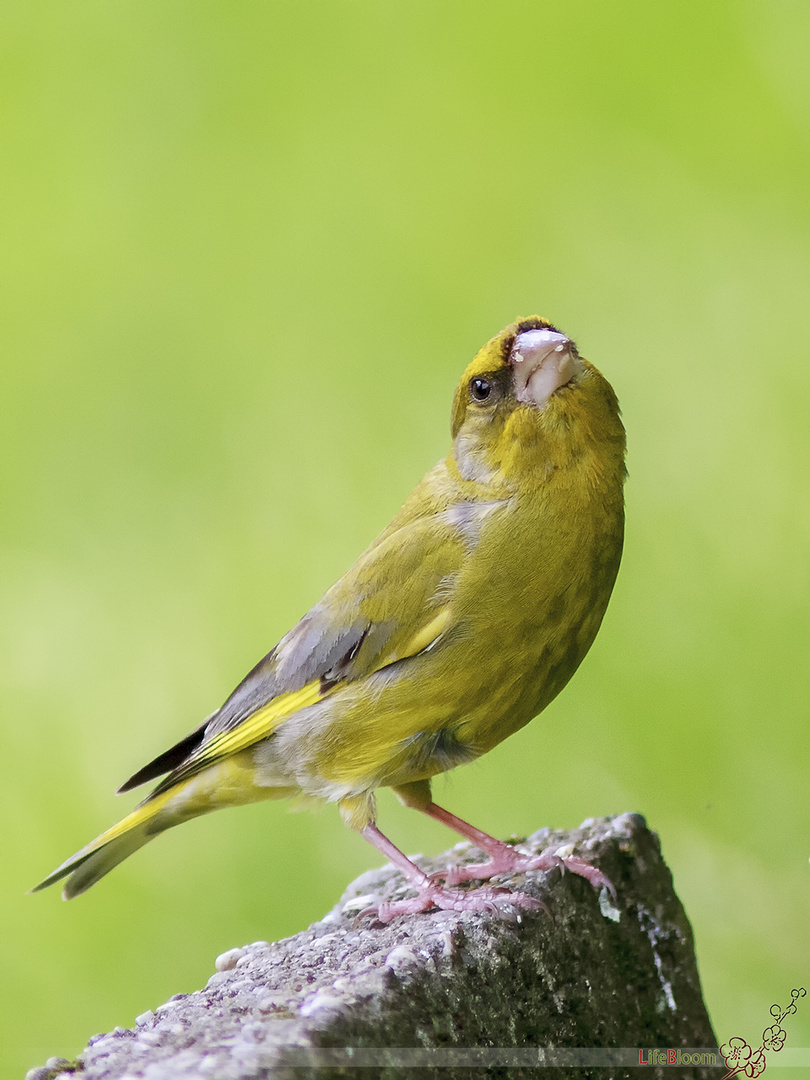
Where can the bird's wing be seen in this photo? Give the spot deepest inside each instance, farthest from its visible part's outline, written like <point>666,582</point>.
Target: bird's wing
<point>394,603</point>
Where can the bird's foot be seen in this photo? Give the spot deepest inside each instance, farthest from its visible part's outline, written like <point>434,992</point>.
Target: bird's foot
<point>432,895</point>
<point>508,860</point>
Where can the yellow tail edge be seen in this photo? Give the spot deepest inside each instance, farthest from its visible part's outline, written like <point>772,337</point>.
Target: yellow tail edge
<point>231,782</point>
<point>98,857</point>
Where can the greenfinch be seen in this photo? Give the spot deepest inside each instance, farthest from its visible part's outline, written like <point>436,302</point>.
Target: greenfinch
<point>461,622</point>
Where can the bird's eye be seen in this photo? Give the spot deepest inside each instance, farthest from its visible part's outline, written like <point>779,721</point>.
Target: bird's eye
<point>480,389</point>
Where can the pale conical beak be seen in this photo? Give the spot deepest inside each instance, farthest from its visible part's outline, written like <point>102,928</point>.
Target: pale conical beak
<point>542,361</point>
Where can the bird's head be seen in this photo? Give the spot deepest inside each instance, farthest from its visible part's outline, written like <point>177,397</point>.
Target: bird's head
<point>529,405</point>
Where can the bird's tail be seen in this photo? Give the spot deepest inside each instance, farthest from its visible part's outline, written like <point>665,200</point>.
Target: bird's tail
<point>113,846</point>
<point>227,783</point>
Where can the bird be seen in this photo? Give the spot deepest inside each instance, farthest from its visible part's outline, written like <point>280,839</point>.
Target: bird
<point>458,625</point>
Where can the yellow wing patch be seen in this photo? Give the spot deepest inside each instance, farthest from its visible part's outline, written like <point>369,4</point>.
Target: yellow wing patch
<point>429,634</point>
<point>259,725</point>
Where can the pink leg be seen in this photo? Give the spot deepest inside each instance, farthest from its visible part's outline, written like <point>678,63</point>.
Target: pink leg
<point>430,894</point>
<point>504,858</point>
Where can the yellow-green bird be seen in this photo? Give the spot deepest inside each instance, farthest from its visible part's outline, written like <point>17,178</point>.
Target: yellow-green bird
<point>461,622</point>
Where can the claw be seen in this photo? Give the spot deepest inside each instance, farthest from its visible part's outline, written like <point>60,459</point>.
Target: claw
<point>511,861</point>
<point>505,858</point>
<point>589,872</point>
<point>486,898</point>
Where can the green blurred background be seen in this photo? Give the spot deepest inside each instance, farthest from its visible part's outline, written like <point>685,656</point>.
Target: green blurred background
<point>247,250</point>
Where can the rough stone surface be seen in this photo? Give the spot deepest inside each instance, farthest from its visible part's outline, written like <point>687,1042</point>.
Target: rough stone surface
<point>444,994</point>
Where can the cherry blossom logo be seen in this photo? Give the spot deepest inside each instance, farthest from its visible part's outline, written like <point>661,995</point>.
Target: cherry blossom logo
<point>740,1057</point>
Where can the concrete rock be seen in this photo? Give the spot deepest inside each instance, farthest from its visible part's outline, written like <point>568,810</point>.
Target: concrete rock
<point>445,994</point>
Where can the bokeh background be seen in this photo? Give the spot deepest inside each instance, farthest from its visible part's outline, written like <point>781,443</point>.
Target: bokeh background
<point>247,250</point>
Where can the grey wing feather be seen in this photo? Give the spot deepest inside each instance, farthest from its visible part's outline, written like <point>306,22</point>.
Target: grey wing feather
<point>313,649</point>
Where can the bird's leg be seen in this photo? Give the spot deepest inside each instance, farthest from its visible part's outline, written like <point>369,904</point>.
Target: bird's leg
<point>359,813</point>
<point>503,858</point>
<point>430,894</point>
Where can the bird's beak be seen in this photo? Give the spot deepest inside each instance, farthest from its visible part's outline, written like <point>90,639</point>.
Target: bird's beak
<point>542,361</point>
